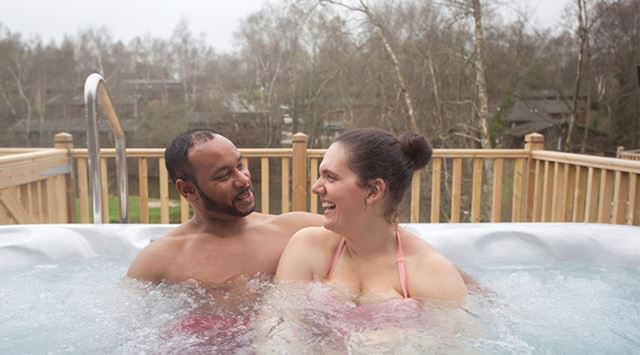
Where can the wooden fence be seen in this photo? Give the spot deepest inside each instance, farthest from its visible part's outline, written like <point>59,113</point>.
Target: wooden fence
<point>628,154</point>
<point>36,184</point>
<point>459,185</point>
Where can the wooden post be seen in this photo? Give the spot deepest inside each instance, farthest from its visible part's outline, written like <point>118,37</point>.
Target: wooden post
<point>476,190</point>
<point>264,182</point>
<point>518,187</point>
<point>64,140</point>
<point>533,142</point>
<point>415,197</point>
<point>285,186</point>
<point>436,168</point>
<point>299,167</point>
<point>456,190</point>
<point>496,204</point>
<point>164,191</point>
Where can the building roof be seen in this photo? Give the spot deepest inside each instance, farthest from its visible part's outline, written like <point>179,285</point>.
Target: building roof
<point>534,109</point>
<point>526,128</point>
<point>541,110</point>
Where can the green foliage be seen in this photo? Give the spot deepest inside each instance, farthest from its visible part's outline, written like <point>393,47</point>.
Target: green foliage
<point>497,128</point>
<point>134,211</point>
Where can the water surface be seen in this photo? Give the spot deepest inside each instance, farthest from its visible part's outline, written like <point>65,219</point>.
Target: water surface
<point>87,306</point>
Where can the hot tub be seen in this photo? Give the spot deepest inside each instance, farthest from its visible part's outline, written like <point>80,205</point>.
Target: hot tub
<point>553,288</point>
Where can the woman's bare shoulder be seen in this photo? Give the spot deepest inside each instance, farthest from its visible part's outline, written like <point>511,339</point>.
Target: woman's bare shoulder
<point>413,245</point>
<point>307,255</point>
<point>423,255</point>
<point>315,237</point>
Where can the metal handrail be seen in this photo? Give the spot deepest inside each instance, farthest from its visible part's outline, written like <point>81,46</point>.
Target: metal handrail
<point>95,93</point>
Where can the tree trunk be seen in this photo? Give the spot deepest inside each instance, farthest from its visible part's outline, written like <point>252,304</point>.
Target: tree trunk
<point>585,135</point>
<point>18,77</point>
<point>589,82</point>
<point>436,95</point>
<point>411,116</point>
<point>481,82</point>
<point>582,39</point>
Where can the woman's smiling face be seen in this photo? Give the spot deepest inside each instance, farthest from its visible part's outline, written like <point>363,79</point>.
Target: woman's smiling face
<point>341,194</point>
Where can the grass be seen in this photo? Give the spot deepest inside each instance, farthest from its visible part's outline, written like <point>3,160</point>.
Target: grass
<point>134,211</point>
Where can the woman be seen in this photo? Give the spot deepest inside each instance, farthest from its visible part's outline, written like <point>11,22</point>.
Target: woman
<point>360,251</point>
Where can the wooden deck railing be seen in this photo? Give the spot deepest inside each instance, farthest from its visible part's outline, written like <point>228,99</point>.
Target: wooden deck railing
<point>36,184</point>
<point>459,185</point>
<point>628,154</point>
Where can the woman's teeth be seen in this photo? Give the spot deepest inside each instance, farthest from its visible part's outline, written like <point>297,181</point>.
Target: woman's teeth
<point>328,205</point>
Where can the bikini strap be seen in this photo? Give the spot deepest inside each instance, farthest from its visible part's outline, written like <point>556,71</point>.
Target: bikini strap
<point>336,255</point>
<point>402,272</point>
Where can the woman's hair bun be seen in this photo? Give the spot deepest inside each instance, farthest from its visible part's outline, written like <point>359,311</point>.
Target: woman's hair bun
<point>416,148</point>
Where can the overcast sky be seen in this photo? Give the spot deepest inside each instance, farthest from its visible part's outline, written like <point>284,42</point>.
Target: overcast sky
<point>218,19</point>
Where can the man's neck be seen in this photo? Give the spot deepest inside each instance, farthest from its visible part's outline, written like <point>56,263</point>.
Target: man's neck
<point>220,224</point>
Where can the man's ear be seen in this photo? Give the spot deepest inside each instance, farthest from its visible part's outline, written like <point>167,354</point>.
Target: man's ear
<point>377,188</point>
<point>186,189</point>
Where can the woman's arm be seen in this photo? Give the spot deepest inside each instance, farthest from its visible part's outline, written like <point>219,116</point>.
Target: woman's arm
<point>279,322</point>
<point>435,278</point>
<point>468,280</point>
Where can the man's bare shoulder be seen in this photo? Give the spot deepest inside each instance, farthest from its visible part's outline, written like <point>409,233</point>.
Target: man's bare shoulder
<point>153,261</point>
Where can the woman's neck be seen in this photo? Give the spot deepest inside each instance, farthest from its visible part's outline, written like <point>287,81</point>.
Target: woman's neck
<point>371,239</point>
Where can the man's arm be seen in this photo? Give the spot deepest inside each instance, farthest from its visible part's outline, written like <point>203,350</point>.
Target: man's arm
<point>149,265</point>
<point>298,220</point>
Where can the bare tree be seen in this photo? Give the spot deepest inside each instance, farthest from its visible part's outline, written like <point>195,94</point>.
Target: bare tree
<point>481,81</point>
<point>93,50</point>
<point>189,57</point>
<point>271,53</point>
<point>616,51</point>
<point>583,39</point>
<point>475,8</point>
<point>439,67</point>
<point>383,34</point>
<point>15,68</point>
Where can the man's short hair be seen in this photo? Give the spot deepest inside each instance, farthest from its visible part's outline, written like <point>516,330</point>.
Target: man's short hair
<point>176,153</point>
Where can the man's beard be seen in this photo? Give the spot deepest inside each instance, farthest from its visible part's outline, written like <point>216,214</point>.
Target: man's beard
<point>230,210</point>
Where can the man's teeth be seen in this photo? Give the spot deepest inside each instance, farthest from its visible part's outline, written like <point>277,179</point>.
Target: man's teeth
<point>328,205</point>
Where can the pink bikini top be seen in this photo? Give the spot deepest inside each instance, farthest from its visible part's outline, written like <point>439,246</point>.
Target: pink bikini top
<point>402,273</point>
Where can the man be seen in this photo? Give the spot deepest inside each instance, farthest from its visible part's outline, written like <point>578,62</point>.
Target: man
<point>225,238</point>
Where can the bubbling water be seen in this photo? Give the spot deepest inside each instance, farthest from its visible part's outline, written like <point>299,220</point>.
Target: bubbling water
<point>87,306</point>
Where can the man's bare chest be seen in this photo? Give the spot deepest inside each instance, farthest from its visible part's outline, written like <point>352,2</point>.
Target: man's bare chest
<point>219,262</point>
